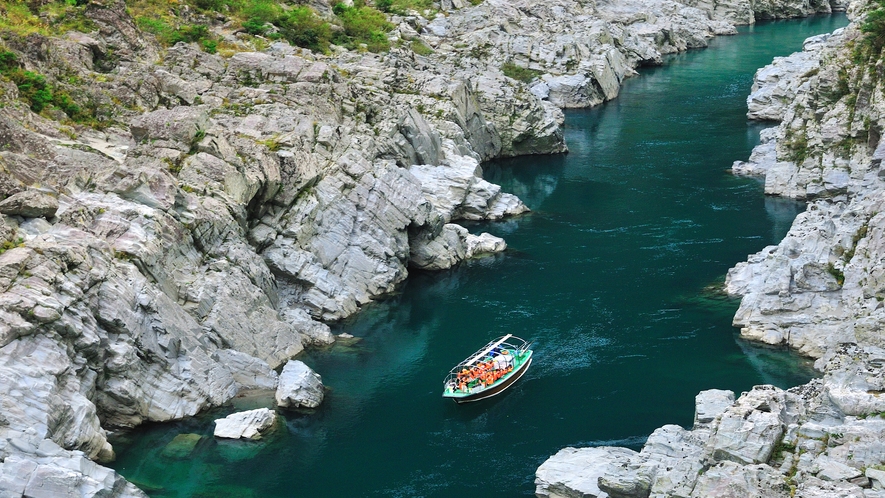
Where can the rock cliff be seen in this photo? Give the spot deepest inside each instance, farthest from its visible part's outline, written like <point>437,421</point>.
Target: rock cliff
<point>218,209</point>
<point>818,292</point>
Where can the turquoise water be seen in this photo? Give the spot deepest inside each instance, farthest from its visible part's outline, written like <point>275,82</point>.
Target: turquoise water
<point>613,275</point>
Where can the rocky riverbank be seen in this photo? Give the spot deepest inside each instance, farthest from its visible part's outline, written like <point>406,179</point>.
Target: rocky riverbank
<point>819,292</point>
<point>220,209</point>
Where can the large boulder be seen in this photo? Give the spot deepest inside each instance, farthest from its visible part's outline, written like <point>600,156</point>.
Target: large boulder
<point>245,425</point>
<point>30,204</point>
<point>180,125</point>
<point>747,432</point>
<point>300,387</point>
<point>576,472</point>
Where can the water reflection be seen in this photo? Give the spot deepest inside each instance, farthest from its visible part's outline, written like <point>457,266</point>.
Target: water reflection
<point>782,212</point>
<point>533,179</point>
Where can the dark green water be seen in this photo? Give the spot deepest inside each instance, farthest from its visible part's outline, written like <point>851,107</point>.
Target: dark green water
<point>607,275</point>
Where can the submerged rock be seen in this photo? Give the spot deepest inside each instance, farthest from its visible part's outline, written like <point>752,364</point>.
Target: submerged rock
<point>245,425</point>
<point>181,446</point>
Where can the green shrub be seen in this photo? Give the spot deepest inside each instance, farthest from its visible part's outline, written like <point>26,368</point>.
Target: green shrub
<point>255,26</point>
<point>32,88</point>
<point>796,144</point>
<point>63,101</point>
<point>36,91</point>
<point>362,24</point>
<point>873,27</point>
<point>164,32</point>
<point>265,10</point>
<point>301,27</point>
<point>194,32</point>
<point>169,35</point>
<point>836,273</point>
<point>8,61</point>
<point>212,5</point>
<point>210,46</point>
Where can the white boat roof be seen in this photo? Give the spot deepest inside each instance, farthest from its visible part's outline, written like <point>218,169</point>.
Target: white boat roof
<point>483,352</point>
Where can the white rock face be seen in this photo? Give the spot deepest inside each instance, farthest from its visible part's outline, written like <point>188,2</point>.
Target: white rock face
<point>245,425</point>
<point>484,243</point>
<point>710,404</point>
<point>457,191</point>
<point>818,287</point>
<point>247,371</point>
<point>300,387</point>
<point>31,465</point>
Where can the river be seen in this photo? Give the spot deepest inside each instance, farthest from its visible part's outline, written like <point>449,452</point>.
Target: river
<point>614,275</point>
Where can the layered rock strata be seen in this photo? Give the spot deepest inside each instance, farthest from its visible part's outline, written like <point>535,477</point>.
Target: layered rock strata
<point>818,292</point>
<point>164,263</point>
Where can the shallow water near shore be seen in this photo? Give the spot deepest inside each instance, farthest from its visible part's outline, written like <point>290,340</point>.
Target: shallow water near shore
<point>614,275</point>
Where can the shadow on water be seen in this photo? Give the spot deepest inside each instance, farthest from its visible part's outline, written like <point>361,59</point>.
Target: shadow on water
<point>610,275</point>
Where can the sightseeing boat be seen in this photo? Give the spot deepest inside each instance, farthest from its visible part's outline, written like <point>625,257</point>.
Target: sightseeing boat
<point>489,371</point>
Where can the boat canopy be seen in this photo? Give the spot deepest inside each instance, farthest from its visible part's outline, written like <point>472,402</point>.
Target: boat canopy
<point>492,351</point>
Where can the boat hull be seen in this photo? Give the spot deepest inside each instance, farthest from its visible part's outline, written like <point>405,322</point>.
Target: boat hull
<point>497,388</point>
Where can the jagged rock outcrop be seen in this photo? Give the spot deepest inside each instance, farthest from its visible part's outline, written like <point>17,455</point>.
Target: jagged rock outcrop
<point>768,443</point>
<point>774,85</point>
<point>31,465</point>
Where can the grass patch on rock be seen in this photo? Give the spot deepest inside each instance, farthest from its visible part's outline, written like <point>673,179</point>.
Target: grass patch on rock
<point>519,73</point>
<point>420,48</point>
<point>46,18</point>
<point>363,25</point>
<point>403,7</point>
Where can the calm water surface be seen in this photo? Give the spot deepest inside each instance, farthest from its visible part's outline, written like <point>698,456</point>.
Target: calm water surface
<point>609,275</point>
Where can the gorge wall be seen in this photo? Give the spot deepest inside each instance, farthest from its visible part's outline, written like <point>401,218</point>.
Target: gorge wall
<point>818,292</point>
<point>229,206</point>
